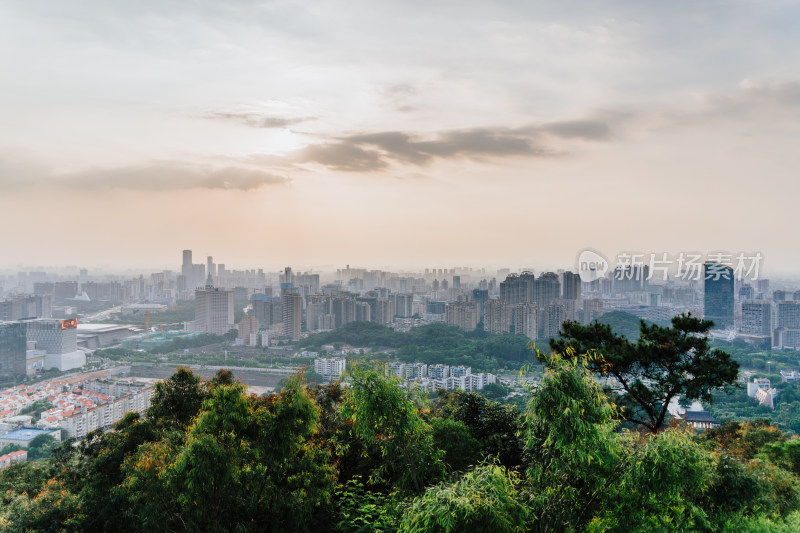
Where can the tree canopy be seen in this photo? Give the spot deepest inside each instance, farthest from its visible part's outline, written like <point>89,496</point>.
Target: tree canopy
<point>666,362</point>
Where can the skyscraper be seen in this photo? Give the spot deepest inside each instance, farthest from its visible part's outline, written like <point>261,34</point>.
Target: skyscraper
<point>13,343</point>
<point>292,306</point>
<point>572,286</point>
<point>213,310</point>
<point>718,298</point>
<point>547,288</point>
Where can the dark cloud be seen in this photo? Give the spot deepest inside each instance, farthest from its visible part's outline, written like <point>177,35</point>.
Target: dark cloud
<point>376,151</point>
<point>257,120</point>
<point>341,156</point>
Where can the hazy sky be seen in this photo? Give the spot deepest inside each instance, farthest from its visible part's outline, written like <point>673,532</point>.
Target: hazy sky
<point>407,133</point>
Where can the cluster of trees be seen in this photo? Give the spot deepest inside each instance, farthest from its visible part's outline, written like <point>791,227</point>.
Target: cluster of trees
<point>434,343</point>
<point>373,456</point>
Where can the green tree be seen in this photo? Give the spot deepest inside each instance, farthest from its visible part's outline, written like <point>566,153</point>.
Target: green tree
<point>178,398</point>
<point>496,427</point>
<point>483,500</point>
<point>664,363</point>
<point>42,446</point>
<point>574,454</point>
<point>461,449</point>
<point>383,416</point>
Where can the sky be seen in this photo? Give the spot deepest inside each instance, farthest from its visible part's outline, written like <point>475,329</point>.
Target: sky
<point>378,134</point>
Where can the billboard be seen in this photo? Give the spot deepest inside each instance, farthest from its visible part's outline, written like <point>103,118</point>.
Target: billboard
<point>69,324</point>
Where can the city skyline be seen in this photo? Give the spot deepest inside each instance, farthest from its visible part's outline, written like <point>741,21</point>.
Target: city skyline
<point>403,135</point>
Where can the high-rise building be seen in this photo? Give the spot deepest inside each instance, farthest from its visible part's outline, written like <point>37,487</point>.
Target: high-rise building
<point>59,340</point>
<point>186,267</point>
<point>518,289</point>
<point>331,369</point>
<point>404,305</point>
<point>525,320</point>
<point>292,305</point>
<point>315,309</point>
<point>747,292</point>
<point>246,327</point>
<point>481,296</point>
<point>498,317</point>
<point>13,344</point>
<point>21,307</point>
<point>462,315</point>
<point>547,288</point>
<point>211,267</point>
<point>718,297</point>
<point>756,318</point>
<point>788,314</point>
<point>213,310</point>
<point>553,316</point>
<point>592,310</point>
<point>572,286</point>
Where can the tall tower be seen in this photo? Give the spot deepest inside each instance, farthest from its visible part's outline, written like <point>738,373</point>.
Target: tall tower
<point>718,298</point>
<point>210,266</point>
<point>186,265</point>
<point>292,304</point>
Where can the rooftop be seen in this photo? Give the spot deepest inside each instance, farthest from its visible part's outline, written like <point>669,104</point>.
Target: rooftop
<point>25,434</point>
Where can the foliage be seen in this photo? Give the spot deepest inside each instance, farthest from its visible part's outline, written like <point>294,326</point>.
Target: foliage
<point>365,511</point>
<point>496,427</point>
<point>572,449</point>
<point>433,343</point>
<point>483,500</point>
<point>383,415</point>
<point>41,446</point>
<point>460,448</point>
<point>663,364</point>
<point>36,408</point>
<point>178,398</point>
<point>369,455</point>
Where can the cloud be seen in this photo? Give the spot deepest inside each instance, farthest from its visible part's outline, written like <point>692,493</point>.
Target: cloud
<point>257,120</point>
<point>366,152</point>
<point>22,173</point>
<point>341,156</point>
<point>172,177</point>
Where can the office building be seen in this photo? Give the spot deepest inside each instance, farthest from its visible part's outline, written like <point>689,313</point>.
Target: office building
<point>292,307</point>
<point>718,296</point>
<point>788,314</point>
<point>213,310</point>
<point>571,287</point>
<point>756,318</point>
<point>58,339</point>
<point>13,346</point>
